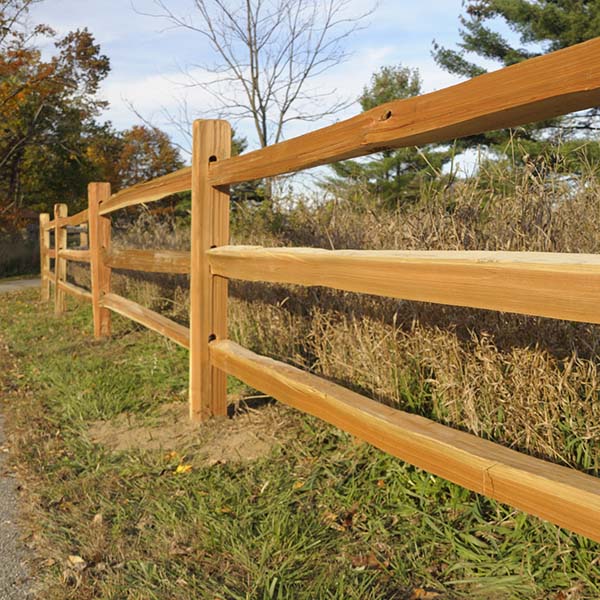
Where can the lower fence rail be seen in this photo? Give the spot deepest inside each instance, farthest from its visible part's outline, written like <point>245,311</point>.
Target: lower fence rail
<point>75,255</point>
<point>558,494</point>
<point>75,290</point>
<point>150,319</point>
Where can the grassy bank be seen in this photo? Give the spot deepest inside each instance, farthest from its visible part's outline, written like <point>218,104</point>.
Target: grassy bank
<point>312,515</point>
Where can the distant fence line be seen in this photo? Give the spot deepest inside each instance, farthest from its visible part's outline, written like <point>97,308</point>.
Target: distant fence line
<point>563,286</point>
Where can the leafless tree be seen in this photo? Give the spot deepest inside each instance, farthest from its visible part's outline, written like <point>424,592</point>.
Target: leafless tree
<point>267,56</point>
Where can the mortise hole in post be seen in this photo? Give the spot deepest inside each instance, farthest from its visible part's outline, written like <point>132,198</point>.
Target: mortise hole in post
<point>211,338</point>
<point>212,158</point>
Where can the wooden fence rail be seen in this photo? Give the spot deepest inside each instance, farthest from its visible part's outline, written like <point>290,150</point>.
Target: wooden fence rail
<point>562,286</point>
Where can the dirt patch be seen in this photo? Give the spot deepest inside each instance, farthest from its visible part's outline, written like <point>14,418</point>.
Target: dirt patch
<point>249,435</point>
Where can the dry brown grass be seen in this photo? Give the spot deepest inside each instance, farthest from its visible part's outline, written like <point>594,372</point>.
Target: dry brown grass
<point>528,382</point>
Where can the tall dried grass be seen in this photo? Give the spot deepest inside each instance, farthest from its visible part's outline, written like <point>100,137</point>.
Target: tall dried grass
<point>530,383</point>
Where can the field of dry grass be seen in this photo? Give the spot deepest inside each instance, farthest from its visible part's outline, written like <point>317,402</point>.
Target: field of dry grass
<point>530,383</point>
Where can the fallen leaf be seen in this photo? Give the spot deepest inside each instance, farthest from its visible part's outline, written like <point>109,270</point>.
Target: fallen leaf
<point>348,517</point>
<point>297,485</point>
<point>331,519</point>
<point>182,469</point>
<point>573,593</point>
<point>366,561</point>
<point>48,562</point>
<point>77,563</point>
<point>423,594</point>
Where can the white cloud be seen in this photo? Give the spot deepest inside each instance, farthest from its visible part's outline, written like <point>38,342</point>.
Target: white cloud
<point>144,56</point>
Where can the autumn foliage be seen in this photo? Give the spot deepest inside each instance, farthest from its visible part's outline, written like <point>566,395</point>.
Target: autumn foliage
<point>52,142</point>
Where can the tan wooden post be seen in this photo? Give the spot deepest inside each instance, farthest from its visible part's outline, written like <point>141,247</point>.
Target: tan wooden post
<point>99,238</point>
<point>60,264</point>
<point>44,258</point>
<point>208,293</point>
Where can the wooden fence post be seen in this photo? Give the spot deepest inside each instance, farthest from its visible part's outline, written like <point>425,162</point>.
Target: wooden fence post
<point>60,264</point>
<point>99,240</point>
<point>208,293</point>
<point>44,258</point>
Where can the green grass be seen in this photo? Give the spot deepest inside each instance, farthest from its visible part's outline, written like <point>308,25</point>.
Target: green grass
<point>28,275</point>
<point>320,517</point>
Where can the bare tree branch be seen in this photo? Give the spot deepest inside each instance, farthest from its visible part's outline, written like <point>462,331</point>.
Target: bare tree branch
<point>265,53</point>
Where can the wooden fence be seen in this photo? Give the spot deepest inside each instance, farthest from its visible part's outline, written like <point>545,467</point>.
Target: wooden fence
<point>564,286</point>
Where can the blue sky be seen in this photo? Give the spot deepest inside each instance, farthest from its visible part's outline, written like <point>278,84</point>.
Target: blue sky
<point>147,56</point>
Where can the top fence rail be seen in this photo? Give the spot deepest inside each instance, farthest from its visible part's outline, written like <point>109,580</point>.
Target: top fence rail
<point>535,90</point>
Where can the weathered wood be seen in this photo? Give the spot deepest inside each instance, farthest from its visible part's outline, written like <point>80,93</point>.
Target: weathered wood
<point>75,255</point>
<point>50,225</point>
<point>148,318</point>
<point>52,252</point>
<point>179,181</point>
<point>558,494</point>
<point>534,90</point>
<point>44,257</point>
<point>208,294</point>
<point>154,261</point>
<point>60,243</point>
<point>75,290</point>
<point>561,286</point>
<point>99,232</point>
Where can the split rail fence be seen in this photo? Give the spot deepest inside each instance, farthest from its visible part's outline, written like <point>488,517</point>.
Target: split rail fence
<point>562,286</point>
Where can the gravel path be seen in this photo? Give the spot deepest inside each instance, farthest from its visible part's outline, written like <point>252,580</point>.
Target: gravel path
<point>13,575</point>
<point>13,285</point>
<point>14,583</point>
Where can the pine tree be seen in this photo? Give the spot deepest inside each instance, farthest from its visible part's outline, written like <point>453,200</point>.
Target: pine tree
<point>393,176</point>
<point>540,26</point>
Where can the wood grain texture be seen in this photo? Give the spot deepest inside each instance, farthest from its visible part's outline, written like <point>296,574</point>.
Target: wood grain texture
<point>561,286</point>
<point>179,181</point>
<point>74,220</point>
<point>44,257</point>
<point>154,261</point>
<point>148,318</point>
<point>75,255</point>
<point>99,234</point>
<point>534,90</point>
<point>558,494</point>
<point>208,294</point>
<point>75,290</point>
<point>60,244</point>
